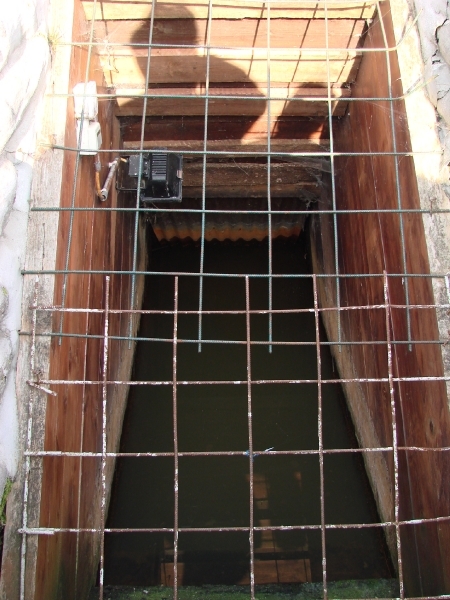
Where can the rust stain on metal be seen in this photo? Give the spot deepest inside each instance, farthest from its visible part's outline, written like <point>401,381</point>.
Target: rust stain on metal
<point>181,225</point>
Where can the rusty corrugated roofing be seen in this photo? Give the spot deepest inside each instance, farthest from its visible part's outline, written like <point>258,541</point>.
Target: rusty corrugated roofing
<point>176,223</point>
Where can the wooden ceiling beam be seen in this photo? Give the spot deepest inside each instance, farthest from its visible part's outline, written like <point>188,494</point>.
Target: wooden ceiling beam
<point>227,9</point>
<point>245,33</point>
<point>188,66</point>
<point>255,191</point>
<point>289,102</point>
<point>237,56</point>
<point>231,147</point>
<point>224,172</point>
<point>239,134</point>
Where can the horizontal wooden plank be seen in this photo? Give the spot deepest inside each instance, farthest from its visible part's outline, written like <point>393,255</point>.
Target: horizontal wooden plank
<point>265,572</point>
<point>234,147</point>
<point>279,571</point>
<point>225,67</point>
<point>251,174</point>
<point>227,178</point>
<point>229,107</point>
<point>286,102</point>
<point>231,53</point>
<point>237,130</point>
<point>227,9</point>
<point>256,191</point>
<point>250,33</point>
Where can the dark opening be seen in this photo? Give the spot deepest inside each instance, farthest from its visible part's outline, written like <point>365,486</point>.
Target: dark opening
<point>214,490</point>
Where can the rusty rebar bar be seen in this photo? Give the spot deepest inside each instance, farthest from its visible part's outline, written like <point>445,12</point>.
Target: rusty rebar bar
<point>104,440</point>
<point>251,455</point>
<point>394,439</point>
<point>175,440</point>
<point>320,440</point>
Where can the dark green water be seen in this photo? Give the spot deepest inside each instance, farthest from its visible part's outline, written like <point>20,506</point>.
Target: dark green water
<point>214,491</point>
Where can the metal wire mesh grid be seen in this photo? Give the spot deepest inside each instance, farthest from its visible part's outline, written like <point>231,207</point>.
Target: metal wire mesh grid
<point>206,151</point>
<point>329,154</point>
<point>45,385</point>
<point>334,211</point>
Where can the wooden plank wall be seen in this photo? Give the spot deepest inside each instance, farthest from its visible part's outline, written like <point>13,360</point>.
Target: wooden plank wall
<point>100,241</point>
<point>370,243</point>
<point>290,101</point>
<point>238,52</point>
<point>185,133</point>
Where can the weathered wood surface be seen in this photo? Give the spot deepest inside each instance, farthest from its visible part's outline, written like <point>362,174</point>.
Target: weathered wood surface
<point>256,146</point>
<point>286,101</point>
<point>245,173</point>
<point>242,33</point>
<point>265,572</point>
<point>239,131</point>
<point>255,191</point>
<point>228,66</point>
<point>71,487</point>
<point>370,243</point>
<point>186,134</point>
<point>237,54</point>
<point>227,9</point>
<point>250,180</point>
<point>41,255</point>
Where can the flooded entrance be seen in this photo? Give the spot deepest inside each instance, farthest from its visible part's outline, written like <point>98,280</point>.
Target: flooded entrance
<point>213,435</point>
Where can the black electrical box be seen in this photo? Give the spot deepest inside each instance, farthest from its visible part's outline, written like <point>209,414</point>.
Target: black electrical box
<point>161,176</point>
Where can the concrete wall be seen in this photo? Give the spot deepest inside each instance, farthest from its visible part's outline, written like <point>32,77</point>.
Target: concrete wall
<point>423,55</point>
<point>24,60</point>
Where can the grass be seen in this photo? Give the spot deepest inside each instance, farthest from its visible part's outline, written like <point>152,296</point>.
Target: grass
<point>343,590</point>
<point>8,486</point>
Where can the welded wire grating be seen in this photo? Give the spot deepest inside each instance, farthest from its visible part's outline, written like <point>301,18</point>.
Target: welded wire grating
<point>45,385</point>
<point>410,305</point>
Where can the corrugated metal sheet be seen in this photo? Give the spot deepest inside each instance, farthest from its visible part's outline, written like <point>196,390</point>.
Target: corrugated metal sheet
<point>222,226</point>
